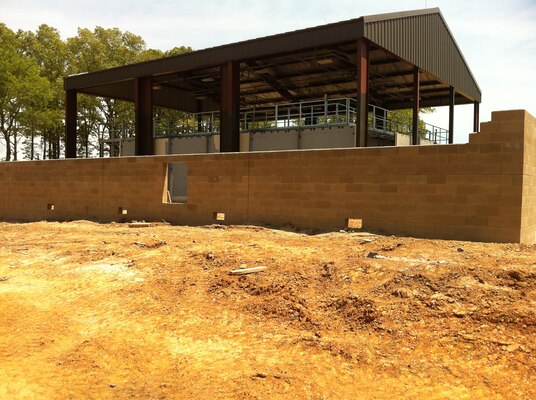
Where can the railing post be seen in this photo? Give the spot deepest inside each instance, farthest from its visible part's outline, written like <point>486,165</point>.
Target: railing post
<point>325,109</point>
<point>288,117</point>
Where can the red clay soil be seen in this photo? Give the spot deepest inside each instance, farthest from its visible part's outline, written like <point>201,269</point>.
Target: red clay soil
<point>96,311</point>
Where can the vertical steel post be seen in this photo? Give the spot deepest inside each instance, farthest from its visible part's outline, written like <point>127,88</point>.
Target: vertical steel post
<point>288,116</point>
<point>476,117</point>
<point>416,107</point>
<point>230,107</point>
<point>362,92</point>
<point>452,102</point>
<point>144,143</point>
<point>71,110</point>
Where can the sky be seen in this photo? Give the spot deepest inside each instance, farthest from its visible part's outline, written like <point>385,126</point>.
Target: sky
<point>497,37</point>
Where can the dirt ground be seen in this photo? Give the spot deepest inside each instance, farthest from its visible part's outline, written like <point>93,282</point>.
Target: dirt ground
<point>98,311</point>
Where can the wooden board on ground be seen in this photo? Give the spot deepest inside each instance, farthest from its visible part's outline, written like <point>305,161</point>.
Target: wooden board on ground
<point>140,225</point>
<point>245,271</point>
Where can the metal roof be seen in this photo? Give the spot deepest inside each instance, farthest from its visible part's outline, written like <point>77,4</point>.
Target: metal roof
<point>307,64</point>
<point>424,39</point>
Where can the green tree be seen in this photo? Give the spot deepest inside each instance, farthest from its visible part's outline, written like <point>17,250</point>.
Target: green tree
<point>92,51</point>
<point>22,90</point>
<point>48,51</point>
<point>105,118</point>
<point>32,68</point>
<point>405,117</point>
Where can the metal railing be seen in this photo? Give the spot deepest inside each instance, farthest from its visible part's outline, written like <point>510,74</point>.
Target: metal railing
<point>300,114</point>
<point>305,114</point>
<point>205,123</point>
<point>388,122</point>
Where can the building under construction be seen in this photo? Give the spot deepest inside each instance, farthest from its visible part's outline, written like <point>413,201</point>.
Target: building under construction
<point>331,86</point>
<point>301,129</point>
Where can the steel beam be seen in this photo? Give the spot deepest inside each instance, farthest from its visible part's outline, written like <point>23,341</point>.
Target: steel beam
<point>144,142</point>
<point>416,107</point>
<point>71,110</point>
<point>452,102</point>
<point>230,107</point>
<point>362,92</point>
<point>476,117</point>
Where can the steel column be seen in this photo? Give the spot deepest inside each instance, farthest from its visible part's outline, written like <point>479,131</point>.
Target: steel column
<point>71,110</point>
<point>476,117</point>
<point>144,142</point>
<point>452,101</point>
<point>416,106</point>
<point>230,107</point>
<point>362,92</point>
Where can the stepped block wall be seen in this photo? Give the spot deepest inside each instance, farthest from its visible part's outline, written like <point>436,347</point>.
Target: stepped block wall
<point>484,190</point>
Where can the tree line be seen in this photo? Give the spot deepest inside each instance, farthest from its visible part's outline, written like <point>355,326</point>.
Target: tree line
<point>32,68</point>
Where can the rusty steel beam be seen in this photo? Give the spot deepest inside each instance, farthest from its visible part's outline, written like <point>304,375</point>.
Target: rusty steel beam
<point>71,110</point>
<point>408,87</point>
<point>386,61</point>
<point>476,116</point>
<point>387,75</point>
<point>271,80</point>
<point>431,100</point>
<point>416,107</point>
<point>452,102</point>
<point>362,92</point>
<point>144,144</point>
<point>230,107</point>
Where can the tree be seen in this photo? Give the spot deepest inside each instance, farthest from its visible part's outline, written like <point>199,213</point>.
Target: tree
<point>405,118</point>
<point>96,50</point>
<point>32,68</point>
<point>105,118</point>
<point>48,51</point>
<point>22,90</point>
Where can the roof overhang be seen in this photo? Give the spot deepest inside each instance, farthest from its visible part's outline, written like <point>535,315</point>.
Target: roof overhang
<point>307,64</point>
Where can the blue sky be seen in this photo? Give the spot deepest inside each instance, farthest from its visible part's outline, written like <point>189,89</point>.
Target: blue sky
<point>497,38</point>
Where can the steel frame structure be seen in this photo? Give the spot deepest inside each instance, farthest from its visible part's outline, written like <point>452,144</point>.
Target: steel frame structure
<point>394,61</point>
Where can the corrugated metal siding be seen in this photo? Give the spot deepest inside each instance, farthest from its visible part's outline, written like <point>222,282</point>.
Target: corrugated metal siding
<point>425,41</point>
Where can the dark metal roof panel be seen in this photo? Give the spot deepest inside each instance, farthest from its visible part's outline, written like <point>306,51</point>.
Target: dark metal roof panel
<point>285,43</point>
<point>424,39</point>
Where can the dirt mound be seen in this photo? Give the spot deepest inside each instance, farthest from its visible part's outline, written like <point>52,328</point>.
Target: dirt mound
<point>357,313</point>
<point>107,311</point>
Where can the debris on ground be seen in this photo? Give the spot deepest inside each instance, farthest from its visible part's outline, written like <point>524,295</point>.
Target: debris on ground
<point>102,309</point>
<point>246,271</point>
<point>140,224</point>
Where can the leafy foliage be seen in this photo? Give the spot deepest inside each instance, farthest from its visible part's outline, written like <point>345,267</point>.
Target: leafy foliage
<point>32,68</point>
<point>23,92</point>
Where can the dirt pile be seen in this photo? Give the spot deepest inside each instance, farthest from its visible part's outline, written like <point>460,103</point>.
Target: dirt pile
<point>107,311</point>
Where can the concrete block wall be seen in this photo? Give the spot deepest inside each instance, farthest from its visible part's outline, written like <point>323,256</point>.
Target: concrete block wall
<point>528,208</point>
<point>484,190</point>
